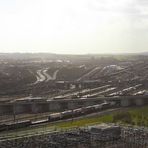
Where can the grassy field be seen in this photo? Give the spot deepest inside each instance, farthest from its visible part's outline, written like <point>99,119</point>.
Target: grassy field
<point>84,122</point>
<point>140,116</point>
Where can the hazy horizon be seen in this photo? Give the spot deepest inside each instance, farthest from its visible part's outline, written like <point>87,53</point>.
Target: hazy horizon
<point>74,27</point>
<point>54,53</point>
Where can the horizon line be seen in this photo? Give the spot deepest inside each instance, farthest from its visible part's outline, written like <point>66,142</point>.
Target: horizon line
<point>113,53</point>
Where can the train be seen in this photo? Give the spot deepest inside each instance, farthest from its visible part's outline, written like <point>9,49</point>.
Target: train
<point>57,116</point>
<point>14,125</point>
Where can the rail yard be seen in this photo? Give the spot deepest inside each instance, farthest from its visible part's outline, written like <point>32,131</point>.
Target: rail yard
<point>49,89</point>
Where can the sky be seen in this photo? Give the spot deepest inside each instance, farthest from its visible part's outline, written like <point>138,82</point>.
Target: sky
<point>74,26</point>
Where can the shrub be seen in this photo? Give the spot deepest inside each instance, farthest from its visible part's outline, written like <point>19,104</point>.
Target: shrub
<point>124,117</point>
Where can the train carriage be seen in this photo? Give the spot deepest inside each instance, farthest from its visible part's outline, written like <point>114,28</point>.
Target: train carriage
<point>67,114</point>
<point>55,117</point>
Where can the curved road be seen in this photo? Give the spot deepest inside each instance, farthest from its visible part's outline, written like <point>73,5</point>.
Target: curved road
<point>43,76</point>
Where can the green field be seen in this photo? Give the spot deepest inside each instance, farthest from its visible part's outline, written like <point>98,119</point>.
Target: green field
<point>140,116</point>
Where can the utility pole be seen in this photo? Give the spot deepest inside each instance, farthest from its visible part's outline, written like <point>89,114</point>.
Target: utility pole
<point>14,113</point>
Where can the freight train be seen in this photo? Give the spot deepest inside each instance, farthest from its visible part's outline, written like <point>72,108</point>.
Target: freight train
<point>57,116</point>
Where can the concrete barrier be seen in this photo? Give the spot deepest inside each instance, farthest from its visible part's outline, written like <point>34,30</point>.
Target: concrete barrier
<point>61,105</point>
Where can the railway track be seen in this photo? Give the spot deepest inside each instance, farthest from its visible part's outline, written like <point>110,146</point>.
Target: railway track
<point>46,128</point>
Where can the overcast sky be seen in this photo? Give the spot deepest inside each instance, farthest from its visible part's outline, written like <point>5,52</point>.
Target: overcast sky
<point>74,26</point>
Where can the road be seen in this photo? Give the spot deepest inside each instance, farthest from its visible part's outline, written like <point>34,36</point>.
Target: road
<point>43,76</point>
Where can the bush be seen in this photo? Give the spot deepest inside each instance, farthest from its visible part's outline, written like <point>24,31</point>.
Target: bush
<point>124,117</point>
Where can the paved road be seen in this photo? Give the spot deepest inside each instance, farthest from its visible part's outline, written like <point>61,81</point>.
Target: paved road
<point>43,76</point>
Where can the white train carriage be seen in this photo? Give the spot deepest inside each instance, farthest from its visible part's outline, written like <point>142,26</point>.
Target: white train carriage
<point>39,121</point>
<point>55,116</point>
